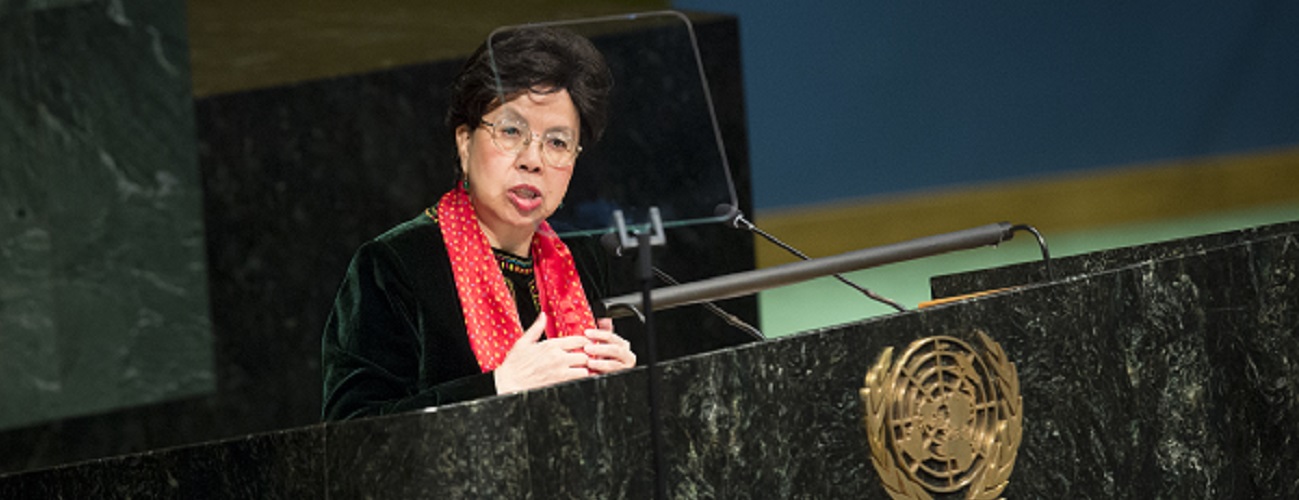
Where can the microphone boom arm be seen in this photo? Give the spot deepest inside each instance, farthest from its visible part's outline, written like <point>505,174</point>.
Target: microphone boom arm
<point>749,282</point>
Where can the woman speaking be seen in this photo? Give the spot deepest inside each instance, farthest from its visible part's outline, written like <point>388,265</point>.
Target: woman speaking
<point>477,295</point>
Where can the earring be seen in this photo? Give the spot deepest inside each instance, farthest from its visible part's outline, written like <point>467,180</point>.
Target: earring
<point>465,184</point>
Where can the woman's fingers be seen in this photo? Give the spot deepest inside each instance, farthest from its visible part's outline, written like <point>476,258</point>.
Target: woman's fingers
<point>606,337</point>
<point>606,365</point>
<point>534,362</point>
<point>533,334</point>
<point>609,357</point>
<point>608,352</point>
<point>570,359</point>
<point>569,343</point>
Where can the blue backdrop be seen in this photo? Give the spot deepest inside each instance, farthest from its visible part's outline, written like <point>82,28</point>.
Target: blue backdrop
<point>856,98</point>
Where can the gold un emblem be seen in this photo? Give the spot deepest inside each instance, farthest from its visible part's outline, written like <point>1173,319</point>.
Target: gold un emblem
<point>943,418</point>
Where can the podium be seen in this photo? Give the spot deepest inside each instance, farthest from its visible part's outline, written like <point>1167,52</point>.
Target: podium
<point>1168,370</point>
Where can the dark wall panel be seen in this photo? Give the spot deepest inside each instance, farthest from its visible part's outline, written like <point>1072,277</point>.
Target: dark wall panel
<point>103,283</point>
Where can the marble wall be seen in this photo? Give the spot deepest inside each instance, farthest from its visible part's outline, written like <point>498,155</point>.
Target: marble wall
<point>103,283</point>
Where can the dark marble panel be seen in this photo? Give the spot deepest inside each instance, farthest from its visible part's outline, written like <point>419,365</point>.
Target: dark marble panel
<point>24,276</point>
<point>475,450</point>
<point>295,179</point>
<point>1061,268</point>
<point>779,419</point>
<point>587,439</point>
<point>1194,396</point>
<point>16,7</point>
<point>597,433</point>
<point>1172,378</point>
<point>283,465</point>
<point>103,295</point>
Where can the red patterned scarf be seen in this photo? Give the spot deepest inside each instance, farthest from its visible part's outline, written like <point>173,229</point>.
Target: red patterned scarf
<point>491,317</point>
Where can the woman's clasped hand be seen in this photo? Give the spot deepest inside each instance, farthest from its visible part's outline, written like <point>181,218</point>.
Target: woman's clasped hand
<point>534,362</point>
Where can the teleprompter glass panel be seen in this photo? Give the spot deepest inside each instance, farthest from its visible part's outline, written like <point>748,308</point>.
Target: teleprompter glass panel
<point>661,146</point>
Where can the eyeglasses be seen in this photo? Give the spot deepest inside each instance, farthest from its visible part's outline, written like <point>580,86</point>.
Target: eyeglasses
<point>558,148</point>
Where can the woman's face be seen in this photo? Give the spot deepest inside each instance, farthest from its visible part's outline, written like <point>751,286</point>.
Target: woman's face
<point>513,193</point>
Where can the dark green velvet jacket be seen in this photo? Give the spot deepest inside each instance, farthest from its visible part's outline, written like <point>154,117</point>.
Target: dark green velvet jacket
<point>396,338</point>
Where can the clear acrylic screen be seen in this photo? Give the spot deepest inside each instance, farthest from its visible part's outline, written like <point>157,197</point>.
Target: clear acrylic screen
<point>661,146</point>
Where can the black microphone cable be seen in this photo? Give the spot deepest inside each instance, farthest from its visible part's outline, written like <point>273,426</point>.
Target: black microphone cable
<point>729,318</point>
<point>738,221</point>
<point>610,242</point>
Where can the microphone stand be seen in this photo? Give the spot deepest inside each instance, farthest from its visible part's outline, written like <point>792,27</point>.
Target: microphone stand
<point>644,243</point>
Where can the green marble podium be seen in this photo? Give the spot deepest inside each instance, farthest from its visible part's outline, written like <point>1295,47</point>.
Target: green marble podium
<point>1161,371</point>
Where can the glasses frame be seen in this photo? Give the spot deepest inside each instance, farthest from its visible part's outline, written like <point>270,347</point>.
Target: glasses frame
<point>527,143</point>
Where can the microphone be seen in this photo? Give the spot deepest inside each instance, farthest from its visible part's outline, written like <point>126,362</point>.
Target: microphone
<point>735,218</point>
<point>613,245</point>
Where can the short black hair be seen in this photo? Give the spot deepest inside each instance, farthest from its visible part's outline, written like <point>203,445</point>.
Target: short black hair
<point>533,59</point>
